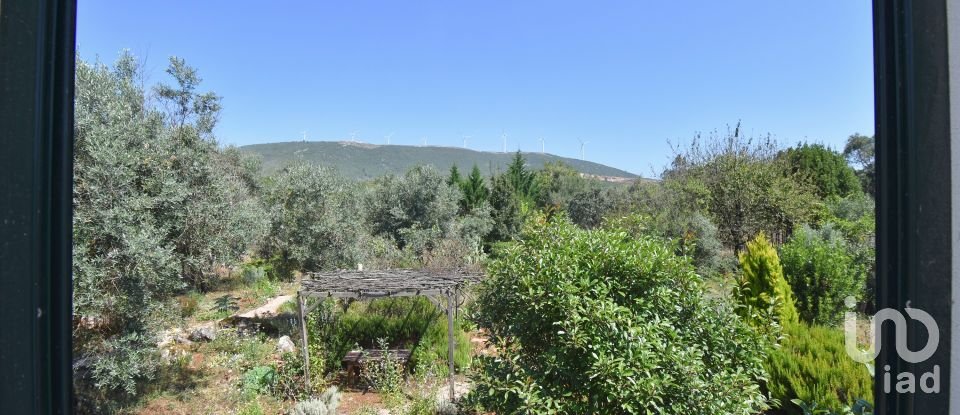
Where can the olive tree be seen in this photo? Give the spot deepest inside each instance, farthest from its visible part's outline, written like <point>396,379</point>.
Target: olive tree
<point>315,220</point>
<point>157,205</point>
<point>416,210</point>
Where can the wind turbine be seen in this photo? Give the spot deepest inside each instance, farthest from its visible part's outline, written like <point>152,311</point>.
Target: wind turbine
<point>424,141</point>
<point>353,136</point>
<point>465,138</point>
<point>304,133</point>
<point>388,137</point>
<point>504,135</point>
<point>582,144</point>
<point>542,146</point>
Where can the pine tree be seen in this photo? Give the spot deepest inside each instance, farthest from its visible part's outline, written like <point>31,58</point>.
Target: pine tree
<point>475,192</point>
<point>455,179</point>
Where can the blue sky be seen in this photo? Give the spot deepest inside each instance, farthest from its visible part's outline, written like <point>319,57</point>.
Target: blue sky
<point>626,76</point>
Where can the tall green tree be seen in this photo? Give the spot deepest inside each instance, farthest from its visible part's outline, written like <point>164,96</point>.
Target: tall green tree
<point>762,286</point>
<point>860,152</point>
<point>475,191</point>
<point>558,184</point>
<point>455,179</point>
<point>824,168</point>
<point>522,179</point>
<point>507,210</point>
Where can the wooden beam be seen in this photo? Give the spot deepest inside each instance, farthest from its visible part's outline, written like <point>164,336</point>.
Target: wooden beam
<point>451,342</point>
<point>304,338</point>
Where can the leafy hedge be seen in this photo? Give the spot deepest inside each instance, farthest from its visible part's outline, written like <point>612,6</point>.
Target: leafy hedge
<point>813,366</point>
<point>601,322</point>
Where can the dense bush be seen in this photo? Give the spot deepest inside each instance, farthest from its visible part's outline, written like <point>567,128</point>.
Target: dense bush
<point>823,273</point>
<point>316,220</point>
<point>825,169</point>
<point>739,183</point>
<point>588,208</point>
<point>762,286</point>
<point>559,184</point>
<point>812,365</point>
<point>599,322</point>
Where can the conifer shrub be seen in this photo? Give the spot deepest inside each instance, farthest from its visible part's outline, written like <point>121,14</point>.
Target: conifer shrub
<point>762,286</point>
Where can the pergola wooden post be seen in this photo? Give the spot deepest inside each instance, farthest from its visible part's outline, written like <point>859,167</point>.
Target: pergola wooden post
<point>381,284</point>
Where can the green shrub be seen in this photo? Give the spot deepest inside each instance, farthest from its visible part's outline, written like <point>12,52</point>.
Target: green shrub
<point>290,383</point>
<point>762,286</point>
<point>812,365</point>
<point>599,322</point>
<point>189,303</point>
<point>823,273</point>
<point>384,375</point>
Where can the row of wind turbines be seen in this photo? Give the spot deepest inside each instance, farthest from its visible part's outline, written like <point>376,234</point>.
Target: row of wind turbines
<point>466,138</point>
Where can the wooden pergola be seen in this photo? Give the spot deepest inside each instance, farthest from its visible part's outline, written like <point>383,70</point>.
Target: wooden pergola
<point>437,286</point>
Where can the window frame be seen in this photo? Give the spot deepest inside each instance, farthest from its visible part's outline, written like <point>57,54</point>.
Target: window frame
<point>37,43</point>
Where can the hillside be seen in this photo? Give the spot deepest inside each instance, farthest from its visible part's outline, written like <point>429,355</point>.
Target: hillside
<point>366,161</point>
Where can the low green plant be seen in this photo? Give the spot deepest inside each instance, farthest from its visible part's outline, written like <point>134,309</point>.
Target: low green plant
<point>265,288</point>
<point>811,365</point>
<point>259,380</point>
<point>189,303</point>
<point>290,383</point>
<point>861,407</point>
<point>252,408</point>
<point>289,307</point>
<point>384,375</point>
<point>422,405</point>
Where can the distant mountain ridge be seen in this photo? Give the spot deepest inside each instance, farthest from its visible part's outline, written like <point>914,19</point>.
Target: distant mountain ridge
<point>366,161</point>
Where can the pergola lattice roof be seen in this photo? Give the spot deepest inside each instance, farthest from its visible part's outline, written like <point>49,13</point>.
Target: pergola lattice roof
<point>388,283</point>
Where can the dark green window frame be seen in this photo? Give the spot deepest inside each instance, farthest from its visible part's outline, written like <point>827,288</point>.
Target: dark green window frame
<point>37,45</point>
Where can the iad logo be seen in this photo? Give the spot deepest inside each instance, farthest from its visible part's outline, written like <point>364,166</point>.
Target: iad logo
<point>906,381</point>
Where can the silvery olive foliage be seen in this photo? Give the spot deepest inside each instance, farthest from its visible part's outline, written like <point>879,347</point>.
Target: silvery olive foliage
<point>416,210</point>
<point>157,207</point>
<point>602,322</point>
<point>326,404</point>
<point>315,219</point>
